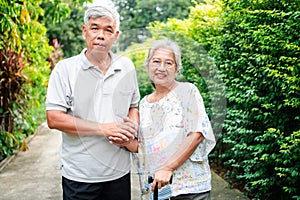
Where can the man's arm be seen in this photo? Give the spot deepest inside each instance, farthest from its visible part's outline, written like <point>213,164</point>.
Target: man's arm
<point>69,124</point>
<point>132,144</point>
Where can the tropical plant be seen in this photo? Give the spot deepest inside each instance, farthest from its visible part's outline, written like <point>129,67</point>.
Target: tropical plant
<point>67,32</point>
<point>24,69</point>
<point>21,36</point>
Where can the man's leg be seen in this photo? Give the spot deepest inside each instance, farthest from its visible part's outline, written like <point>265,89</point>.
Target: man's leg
<point>118,189</point>
<point>73,190</point>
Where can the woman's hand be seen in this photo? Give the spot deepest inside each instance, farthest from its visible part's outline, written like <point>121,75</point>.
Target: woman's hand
<point>162,177</point>
<point>122,133</point>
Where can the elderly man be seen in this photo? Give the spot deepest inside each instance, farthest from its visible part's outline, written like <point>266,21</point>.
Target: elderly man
<point>92,98</point>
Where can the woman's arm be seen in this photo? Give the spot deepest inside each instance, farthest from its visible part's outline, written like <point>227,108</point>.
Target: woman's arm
<point>185,150</point>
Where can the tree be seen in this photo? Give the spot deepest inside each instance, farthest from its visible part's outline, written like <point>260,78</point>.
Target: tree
<point>136,15</point>
<point>67,32</point>
<point>24,51</point>
<point>256,47</point>
<point>195,35</point>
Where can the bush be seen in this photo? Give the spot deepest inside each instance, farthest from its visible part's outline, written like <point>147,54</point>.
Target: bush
<point>24,69</point>
<point>256,48</point>
<point>258,53</point>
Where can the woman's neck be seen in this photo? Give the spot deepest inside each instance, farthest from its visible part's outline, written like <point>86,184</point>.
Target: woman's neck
<point>161,91</point>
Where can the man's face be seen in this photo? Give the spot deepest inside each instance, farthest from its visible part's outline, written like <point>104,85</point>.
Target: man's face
<point>100,34</point>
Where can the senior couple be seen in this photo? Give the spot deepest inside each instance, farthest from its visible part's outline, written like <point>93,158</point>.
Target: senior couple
<point>93,100</point>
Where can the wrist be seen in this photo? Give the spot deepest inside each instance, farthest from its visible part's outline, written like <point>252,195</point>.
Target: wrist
<point>101,130</point>
<point>132,145</point>
<point>130,142</point>
<point>169,168</point>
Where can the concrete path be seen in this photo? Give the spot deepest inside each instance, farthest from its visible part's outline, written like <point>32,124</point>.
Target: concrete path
<point>35,175</point>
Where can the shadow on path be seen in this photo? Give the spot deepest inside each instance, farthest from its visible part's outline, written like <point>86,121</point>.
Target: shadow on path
<point>35,175</point>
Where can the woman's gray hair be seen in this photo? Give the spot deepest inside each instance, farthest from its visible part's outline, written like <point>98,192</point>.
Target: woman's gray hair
<point>102,11</point>
<point>165,44</point>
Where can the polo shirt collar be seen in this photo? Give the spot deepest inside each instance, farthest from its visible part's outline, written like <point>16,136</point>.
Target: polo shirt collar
<point>87,64</point>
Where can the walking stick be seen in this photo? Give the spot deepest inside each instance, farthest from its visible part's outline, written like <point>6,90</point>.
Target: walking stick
<point>155,193</point>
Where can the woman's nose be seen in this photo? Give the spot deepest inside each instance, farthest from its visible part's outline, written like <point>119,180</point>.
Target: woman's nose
<point>161,66</point>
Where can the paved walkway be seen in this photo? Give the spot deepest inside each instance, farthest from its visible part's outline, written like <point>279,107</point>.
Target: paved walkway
<point>34,174</point>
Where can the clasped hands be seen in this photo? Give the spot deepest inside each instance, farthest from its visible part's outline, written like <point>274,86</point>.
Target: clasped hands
<point>120,133</point>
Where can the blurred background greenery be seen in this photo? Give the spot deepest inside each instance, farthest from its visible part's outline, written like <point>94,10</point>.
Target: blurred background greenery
<point>243,55</point>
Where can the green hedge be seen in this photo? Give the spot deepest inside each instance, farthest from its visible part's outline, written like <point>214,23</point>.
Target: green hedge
<point>256,48</point>
<point>258,53</point>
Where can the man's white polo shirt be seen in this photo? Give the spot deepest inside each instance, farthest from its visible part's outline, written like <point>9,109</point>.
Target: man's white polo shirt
<point>80,89</point>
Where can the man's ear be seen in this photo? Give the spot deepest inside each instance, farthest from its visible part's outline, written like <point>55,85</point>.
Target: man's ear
<point>116,36</point>
<point>83,28</point>
<point>117,33</point>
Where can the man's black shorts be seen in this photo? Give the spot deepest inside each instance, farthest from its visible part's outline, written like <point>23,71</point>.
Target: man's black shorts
<point>110,190</point>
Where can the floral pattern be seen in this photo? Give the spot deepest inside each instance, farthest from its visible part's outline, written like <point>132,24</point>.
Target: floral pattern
<point>163,126</point>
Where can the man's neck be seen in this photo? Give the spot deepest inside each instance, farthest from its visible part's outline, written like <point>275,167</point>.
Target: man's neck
<point>102,61</point>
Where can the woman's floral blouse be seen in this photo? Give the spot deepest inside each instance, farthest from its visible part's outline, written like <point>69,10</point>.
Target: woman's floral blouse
<point>163,126</point>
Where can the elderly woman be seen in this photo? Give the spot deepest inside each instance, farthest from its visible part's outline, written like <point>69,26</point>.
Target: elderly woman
<point>175,132</point>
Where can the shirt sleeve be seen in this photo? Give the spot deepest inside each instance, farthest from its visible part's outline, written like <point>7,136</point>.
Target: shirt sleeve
<point>136,93</point>
<point>198,121</point>
<point>57,99</point>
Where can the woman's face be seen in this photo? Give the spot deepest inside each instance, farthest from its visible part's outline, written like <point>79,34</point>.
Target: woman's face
<point>162,67</point>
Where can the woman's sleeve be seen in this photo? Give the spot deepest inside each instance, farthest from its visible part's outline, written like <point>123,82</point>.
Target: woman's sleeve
<point>198,121</point>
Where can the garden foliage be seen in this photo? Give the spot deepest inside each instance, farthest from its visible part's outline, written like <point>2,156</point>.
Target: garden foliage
<point>258,53</point>
<point>243,55</point>
<point>24,68</point>
<point>23,51</point>
<point>137,14</point>
<point>256,48</point>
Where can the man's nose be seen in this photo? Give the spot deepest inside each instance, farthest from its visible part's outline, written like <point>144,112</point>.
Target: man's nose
<point>100,35</point>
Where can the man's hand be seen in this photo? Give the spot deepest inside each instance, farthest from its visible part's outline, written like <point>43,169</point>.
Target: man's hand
<point>122,133</point>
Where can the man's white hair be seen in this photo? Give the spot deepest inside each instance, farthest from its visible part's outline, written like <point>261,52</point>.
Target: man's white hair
<point>102,9</point>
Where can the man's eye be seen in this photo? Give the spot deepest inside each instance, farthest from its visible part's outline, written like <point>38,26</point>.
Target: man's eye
<point>155,61</point>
